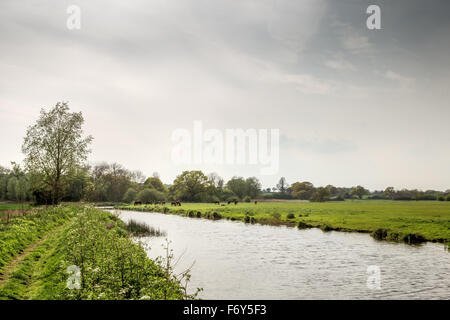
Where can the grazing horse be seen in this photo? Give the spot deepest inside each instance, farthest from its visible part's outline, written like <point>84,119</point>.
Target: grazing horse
<point>256,202</point>
<point>228,202</point>
<point>178,203</point>
<point>137,202</point>
<point>173,203</point>
<point>217,202</point>
<point>235,202</point>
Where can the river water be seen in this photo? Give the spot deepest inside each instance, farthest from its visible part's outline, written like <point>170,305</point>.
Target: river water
<point>233,260</point>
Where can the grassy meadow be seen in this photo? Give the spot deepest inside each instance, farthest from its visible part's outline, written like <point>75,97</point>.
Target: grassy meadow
<point>408,221</point>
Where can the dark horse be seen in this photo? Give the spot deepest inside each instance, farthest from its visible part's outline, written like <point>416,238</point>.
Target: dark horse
<point>137,202</point>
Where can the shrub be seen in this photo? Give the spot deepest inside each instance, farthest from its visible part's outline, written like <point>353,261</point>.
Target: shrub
<point>379,234</point>
<point>247,199</point>
<point>303,225</point>
<point>325,227</point>
<point>148,195</point>
<point>130,195</point>
<point>290,216</point>
<point>414,238</point>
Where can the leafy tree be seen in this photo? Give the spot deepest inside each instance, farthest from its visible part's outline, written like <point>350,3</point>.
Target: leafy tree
<point>148,195</point>
<point>389,193</point>
<point>253,187</point>
<point>302,190</point>
<point>22,188</point>
<point>54,147</point>
<point>190,186</point>
<point>322,194</point>
<point>155,183</point>
<point>359,191</point>
<point>11,189</point>
<point>238,186</point>
<point>130,195</point>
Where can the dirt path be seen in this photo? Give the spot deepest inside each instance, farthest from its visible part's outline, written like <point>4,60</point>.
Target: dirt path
<point>11,267</point>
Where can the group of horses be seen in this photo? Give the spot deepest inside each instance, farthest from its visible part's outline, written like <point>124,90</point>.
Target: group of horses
<point>232,201</point>
<point>150,202</point>
<point>178,202</point>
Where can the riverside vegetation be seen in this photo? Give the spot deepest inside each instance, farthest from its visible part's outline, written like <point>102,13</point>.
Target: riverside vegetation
<point>38,250</point>
<point>401,221</point>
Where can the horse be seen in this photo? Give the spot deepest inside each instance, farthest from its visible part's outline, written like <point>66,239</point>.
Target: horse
<point>256,202</point>
<point>216,202</point>
<point>137,203</point>
<point>235,202</point>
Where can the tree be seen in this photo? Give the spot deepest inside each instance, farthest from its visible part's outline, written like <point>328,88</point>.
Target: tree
<point>148,195</point>
<point>282,185</point>
<point>238,186</point>
<point>389,193</point>
<point>302,190</point>
<point>54,147</point>
<point>190,186</point>
<point>11,189</point>
<point>130,195</point>
<point>253,187</point>
<point>359,191</point>
<point>322,194</point>
<point>156,183</point>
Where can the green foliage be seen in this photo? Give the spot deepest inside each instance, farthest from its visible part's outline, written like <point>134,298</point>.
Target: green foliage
<point>111,265</point>
<point>54,148</point>
<point>359,191</point>
<point>190,186</point>
<point>321,195</point>
<point>130,195</point>
<point>155,183</point>
<point>148,195</point>
<point>302,190</point>
<point>247,199</point>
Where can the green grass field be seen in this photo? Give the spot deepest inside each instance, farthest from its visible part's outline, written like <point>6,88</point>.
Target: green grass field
<point>13,206</point>
<point>400,219</point>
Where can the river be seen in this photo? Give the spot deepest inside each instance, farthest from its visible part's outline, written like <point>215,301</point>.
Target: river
<point>233,260</point>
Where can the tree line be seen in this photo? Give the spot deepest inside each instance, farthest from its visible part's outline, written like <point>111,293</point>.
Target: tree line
<point>55,169</point>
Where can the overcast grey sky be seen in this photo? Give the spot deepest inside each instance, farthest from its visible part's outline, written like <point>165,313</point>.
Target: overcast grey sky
<point>354,106</point>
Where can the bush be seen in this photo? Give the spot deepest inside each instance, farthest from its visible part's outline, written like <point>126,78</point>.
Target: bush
<point>247,199</point>
<point>441,198</point>
<point>379,234</point>
<point>325,227</point>
<point>448,197</point>
<point>130,195</point>
<point>303,225</point>
<point>290,216</point>
<point>148,195</point>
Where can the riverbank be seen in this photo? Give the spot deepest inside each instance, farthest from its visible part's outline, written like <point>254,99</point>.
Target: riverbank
<point>76,252</point>
<point>400,221</point>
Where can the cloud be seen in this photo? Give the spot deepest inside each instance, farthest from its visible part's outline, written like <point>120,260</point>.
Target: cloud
<point>403,80</point>
<point>340,65</point>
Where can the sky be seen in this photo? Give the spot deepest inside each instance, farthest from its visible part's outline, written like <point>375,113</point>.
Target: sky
<point>352,105</point>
